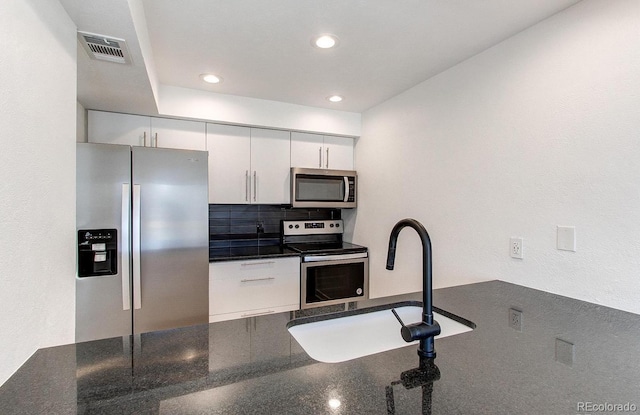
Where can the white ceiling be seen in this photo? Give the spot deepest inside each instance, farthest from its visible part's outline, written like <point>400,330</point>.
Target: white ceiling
<point>262,48</point>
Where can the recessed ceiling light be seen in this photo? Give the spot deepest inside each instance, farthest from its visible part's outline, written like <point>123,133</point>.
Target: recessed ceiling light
<point>335,98</point>
<point>325,41</point>
<point>211,78</point>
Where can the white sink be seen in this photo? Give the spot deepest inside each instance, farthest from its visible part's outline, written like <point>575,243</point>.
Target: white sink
<point>340,339</point>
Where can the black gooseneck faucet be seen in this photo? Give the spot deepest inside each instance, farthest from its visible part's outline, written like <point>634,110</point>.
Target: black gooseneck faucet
<point>428,328</point>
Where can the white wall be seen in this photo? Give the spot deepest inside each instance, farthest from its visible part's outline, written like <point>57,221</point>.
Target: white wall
<point>37,179</point>
<point>538,131</point>
<point>229,109</point>
<point>81,123</point>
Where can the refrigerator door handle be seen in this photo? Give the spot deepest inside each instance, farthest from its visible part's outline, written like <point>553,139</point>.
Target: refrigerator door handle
<point>124,247</point>
<point>137,297</point>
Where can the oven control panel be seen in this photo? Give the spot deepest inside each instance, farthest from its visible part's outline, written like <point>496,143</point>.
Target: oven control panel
<point>312,227</point>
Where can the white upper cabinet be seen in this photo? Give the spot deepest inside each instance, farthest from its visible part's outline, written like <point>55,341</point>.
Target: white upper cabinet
<point>270,165</point>
<point>114,128</point>
<point>229,149</point>
<point>139,130</point>
<point>248,165</point>
<point>180,134</point>
<point>321,152</point>
<point>306,150</point>
<point>338,153</point>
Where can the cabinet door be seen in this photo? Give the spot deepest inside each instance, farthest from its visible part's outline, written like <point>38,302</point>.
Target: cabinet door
<point>114,128</point>
<point>338,153</point>
<point>306,150</point>
<point>180,134</point>
<point>270,165</point>
<point>229,163</point>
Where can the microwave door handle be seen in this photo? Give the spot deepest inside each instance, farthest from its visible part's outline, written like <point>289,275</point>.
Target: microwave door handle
<point>346,189</point>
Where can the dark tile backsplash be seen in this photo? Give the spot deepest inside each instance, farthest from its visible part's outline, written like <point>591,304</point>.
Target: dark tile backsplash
<point>241,226</point>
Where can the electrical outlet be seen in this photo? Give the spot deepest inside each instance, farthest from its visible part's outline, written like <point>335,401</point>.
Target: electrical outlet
<point>515,248</point>
<point>515,319</point>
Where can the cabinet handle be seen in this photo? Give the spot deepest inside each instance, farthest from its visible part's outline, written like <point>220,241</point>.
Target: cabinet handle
<point>255,186</point>
<point>246,185</point>
<point>144,139</point>
<point>156,136</point>
<point>244,264</point>
<point>258,314</point>
<point>327,160</point>
<point>258,279</point>
<point>320,157</point>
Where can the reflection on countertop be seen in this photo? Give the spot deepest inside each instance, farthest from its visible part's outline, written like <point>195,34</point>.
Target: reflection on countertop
<point>568,352</point>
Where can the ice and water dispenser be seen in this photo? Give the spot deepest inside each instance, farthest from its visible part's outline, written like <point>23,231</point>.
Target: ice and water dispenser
<point>97,252</point>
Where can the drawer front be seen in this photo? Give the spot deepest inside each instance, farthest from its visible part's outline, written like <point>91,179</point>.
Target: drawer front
<point>253,286</point>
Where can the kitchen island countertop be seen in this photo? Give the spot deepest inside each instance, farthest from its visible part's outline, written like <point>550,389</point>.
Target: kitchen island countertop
<point>570,357</point>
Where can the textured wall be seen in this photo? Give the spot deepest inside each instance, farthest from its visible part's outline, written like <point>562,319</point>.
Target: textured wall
<point>37,179</point>
<point>538,131</point>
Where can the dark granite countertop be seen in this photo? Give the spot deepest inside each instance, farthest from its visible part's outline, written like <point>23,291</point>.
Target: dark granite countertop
<point>570,357</point>
<point>251,252</point>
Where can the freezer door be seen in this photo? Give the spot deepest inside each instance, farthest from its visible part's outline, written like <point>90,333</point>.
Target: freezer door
<point>170,238</point>
<point>103,303</point>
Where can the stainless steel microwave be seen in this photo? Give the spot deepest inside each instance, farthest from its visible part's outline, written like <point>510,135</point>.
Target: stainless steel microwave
<point>321,188</point>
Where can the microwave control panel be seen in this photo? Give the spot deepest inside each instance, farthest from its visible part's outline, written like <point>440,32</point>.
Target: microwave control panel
<point>352,190</point>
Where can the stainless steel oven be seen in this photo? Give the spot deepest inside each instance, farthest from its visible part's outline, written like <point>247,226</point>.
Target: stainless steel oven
<point>332,271</point>
<point>333,279</point>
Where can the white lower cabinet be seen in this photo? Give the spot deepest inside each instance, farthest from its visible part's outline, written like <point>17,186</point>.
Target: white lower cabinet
<point>240,289</point>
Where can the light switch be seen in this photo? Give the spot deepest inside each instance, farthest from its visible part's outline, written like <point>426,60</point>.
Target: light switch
<point>567,238</point>
<point>564,352</point>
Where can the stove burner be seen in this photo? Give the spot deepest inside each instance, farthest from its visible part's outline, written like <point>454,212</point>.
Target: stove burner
<point>329,248</point>
<point>317,237</point>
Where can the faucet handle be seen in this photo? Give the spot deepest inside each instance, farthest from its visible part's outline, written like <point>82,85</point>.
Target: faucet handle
<point>417,331</point>
<point>404,331</point>
<point>393,310</point>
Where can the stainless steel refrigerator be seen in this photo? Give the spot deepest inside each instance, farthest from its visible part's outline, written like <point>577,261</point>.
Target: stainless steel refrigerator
<point>142,225</point>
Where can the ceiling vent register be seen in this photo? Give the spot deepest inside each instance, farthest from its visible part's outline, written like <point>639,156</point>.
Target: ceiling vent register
<point>105,48</point>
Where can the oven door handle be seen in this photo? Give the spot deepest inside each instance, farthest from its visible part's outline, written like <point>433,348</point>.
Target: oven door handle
<point>337,257</point>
